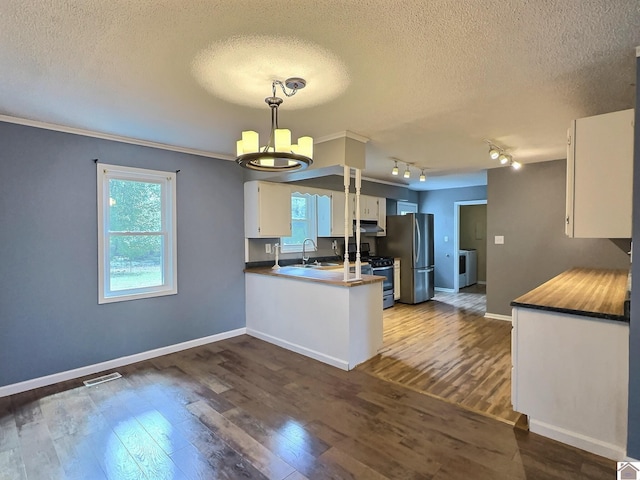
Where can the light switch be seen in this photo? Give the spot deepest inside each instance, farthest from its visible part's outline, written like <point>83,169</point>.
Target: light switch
<point>446,238</point>
<point>499,240</point>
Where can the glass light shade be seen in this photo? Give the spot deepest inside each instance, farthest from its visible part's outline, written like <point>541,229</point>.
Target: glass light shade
<point>504,159</point>
<point>305,146</point>
<point>282,139</point>
<point>249,142</point>
<point>423,177</point>
<point>494,153</point>
<point>395,170</point>
<point>516,165</point>
<point>407,173</point>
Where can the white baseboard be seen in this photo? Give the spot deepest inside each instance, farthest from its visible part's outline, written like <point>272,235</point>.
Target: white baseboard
<point>497,316</point>
<point>593,445</point>
<point>442,289</point>
<point>481,282</point>
<point>307,352</point>
<point>115,363</point>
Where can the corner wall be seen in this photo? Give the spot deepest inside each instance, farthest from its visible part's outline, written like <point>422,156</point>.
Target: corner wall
<point>527,207</point>
<point>50,320</point>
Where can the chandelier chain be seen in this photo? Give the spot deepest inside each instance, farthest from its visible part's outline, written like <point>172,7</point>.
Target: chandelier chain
<point>284,88</point>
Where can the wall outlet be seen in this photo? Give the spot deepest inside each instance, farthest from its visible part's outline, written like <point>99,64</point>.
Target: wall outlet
<point>446,238</point>
<point>267,248</point>
<point>499,240</point>
<point>334,244</point>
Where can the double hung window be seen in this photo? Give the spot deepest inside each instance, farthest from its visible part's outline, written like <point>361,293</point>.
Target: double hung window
<point>136,233</point>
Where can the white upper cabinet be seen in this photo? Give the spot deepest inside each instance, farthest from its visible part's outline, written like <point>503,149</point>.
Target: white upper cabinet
<point>600,176</point>
<point>331,214</point>
<point>267,210</point>
<point>382,216</point>
<point>368,207</point>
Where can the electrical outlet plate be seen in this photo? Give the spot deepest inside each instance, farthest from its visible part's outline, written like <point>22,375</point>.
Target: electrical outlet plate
<point>267,248</point>
<point>499,240</point>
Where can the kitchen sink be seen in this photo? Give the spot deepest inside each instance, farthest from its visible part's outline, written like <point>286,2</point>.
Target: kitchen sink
<point>316,265</point>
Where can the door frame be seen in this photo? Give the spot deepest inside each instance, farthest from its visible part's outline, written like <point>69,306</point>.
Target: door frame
<point>456,239</point>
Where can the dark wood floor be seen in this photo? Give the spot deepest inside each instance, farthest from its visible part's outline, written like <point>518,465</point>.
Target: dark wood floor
<point>245,409</point>
<point>447,348</point>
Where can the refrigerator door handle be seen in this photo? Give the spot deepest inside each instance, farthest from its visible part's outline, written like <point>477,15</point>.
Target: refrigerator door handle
<point>417,255</point>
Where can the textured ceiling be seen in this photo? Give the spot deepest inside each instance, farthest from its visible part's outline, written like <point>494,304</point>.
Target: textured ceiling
<point>425,81</point>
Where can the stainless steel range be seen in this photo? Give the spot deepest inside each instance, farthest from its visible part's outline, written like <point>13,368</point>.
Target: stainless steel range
<point>383,266</point>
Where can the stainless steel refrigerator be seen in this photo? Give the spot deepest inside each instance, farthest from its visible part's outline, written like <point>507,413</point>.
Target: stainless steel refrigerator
<point>410,238</point>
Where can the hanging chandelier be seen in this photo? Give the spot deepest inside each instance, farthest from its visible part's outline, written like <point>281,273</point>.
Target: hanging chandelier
<point>279,154</point>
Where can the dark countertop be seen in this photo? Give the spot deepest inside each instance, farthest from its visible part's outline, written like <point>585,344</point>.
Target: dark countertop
<point>590,292</point>
<point>318,275</point>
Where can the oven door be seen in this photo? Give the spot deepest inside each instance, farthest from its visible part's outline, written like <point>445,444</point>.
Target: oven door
<point>387,273</point>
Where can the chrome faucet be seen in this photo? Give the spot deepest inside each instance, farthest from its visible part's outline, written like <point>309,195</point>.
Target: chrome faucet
<point>305,258</point>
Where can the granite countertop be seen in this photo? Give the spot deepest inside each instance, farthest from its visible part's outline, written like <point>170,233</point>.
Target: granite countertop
<point>591,292</point>
<point>318,275</point>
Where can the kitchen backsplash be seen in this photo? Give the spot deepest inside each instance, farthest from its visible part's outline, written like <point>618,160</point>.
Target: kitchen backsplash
<point>256,249</point>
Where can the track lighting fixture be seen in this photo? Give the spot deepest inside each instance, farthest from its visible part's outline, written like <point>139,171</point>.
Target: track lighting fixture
<point>423,177</point>
<point>407,173</point>
<point>498,153</point>
<point>395,170</point>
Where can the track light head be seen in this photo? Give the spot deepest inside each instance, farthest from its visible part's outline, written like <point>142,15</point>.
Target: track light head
<point>504,159</point>
<point>407,173</point>
<point>494,153</point>
<point>516,165</point>
<point>423,177</point>
<point>395,170</point>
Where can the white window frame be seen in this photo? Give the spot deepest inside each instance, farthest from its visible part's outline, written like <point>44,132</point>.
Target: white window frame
<point>402,208</point>
<point>312,213</point>
<point>167,180</point>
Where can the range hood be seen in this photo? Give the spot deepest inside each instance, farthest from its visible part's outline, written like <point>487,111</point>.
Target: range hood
<point>368,227</point>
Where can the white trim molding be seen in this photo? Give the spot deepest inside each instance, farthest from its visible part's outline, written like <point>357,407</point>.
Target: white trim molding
<point>115,138</point>
<point>294,347</point>
<point>593,445</point>
<point>497,316</point>
<point>115,363</point>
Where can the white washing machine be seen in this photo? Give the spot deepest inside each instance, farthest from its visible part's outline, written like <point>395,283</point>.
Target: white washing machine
<point>468,269</point>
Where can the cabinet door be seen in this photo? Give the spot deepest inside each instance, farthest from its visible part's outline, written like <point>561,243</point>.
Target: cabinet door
<point>368,207</point>
<point>600,176</point>
<point>331,215</point>
<point>267,210</point>
<point>382,216</point>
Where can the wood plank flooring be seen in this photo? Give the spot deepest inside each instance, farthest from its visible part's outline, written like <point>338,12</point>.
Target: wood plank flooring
<point>246,409</point>
<point>447,348</point>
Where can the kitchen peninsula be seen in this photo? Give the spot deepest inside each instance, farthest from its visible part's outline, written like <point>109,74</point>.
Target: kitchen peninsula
<point>316,313</point>
<point>570,349</point>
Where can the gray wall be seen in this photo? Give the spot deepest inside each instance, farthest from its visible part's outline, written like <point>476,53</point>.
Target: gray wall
<point>633,446</point>
<point>50,320</point>
<point>527,207</point>
<point>442,204</point>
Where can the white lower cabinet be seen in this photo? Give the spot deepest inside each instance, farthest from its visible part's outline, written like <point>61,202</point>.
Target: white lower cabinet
<point>570,377</point>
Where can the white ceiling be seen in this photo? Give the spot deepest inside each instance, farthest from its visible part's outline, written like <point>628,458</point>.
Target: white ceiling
<point>425,81</point>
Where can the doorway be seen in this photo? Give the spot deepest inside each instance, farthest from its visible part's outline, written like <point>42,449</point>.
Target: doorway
<point>470,235</point>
